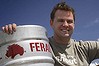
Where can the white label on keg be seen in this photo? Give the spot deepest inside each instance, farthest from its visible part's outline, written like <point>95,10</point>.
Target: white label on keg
<point>25,48</point>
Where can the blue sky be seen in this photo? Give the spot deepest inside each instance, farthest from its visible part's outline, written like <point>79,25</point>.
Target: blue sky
<point>25,12</point>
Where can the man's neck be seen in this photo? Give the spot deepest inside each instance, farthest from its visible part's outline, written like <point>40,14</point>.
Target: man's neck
<point>61,40</point>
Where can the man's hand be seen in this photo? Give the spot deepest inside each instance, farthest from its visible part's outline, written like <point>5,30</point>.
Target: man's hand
<point>9,29</point>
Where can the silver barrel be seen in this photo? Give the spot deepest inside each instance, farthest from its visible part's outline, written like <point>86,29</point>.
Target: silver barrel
<point>28,46</point>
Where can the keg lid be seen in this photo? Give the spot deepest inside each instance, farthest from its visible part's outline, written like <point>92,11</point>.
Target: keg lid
<point>25,32</point>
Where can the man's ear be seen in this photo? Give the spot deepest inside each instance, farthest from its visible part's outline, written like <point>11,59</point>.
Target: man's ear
<point>51,23</point>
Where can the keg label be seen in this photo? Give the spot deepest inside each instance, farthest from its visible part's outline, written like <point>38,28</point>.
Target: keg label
<point>39,46</point>
<point>13,50</point>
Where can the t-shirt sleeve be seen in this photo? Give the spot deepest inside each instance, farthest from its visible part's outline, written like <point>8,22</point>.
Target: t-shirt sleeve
<point>92,49</point>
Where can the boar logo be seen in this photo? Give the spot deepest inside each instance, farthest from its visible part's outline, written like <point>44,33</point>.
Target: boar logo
<point>14,50</point>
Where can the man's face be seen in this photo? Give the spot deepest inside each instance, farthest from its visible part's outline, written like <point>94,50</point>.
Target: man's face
<point>63,23</point>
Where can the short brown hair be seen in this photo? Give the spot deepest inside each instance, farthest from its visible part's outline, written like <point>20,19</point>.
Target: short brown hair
<point>61,6</point>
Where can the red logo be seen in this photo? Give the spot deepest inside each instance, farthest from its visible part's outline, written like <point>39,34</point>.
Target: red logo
<point>39,46</point>
<point>13,50</point>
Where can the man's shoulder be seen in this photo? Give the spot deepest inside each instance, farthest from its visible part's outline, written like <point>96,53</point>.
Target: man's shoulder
<point>50,39</point>
<point>86,44</point>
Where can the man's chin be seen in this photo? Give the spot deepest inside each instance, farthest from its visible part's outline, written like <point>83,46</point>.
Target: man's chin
<point>66,35</point>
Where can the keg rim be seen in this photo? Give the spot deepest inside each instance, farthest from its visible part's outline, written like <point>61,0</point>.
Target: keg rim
<point>30,26</point>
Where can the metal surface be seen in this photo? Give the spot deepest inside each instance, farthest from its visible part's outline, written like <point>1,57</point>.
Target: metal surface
<point>28,46</point>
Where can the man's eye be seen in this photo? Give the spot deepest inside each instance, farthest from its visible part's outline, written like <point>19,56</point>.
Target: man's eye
<point>69,21</point>
<point>60,20</point>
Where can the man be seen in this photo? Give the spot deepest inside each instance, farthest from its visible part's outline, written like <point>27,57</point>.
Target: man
<point>66,51</point>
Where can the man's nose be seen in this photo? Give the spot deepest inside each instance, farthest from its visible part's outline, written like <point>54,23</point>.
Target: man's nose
<point>65,23</point>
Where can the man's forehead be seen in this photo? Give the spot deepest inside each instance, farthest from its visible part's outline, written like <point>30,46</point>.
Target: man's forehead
<point>63,13</point>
